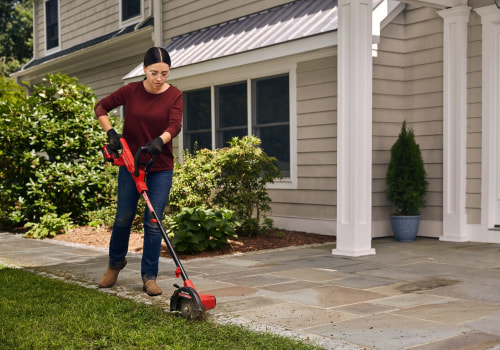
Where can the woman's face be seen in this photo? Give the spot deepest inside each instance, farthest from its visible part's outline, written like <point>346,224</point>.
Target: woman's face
<point>156,75</point>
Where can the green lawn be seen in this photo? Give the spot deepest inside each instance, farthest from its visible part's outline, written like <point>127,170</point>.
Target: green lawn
<point>44,313</point>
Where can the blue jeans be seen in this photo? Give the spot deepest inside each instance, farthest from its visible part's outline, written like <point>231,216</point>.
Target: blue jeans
<point>159,184</point>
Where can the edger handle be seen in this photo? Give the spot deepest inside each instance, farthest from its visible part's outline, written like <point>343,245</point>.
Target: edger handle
<point>125,158</point>
<point>148,164</point>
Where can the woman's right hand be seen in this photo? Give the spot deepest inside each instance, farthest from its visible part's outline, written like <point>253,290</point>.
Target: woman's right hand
<point>114,140</point>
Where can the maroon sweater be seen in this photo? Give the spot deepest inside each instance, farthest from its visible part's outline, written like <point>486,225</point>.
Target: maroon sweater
<point>147,116</point>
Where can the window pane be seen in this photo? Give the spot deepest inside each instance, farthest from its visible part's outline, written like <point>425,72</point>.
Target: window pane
<point>272,100</point>
<point>227,135</point>
<point>200,139</point>
<point>130,9</point>
<point>197,105</point>
<point>197,119</point>
<point>272,118</point>
<point>232,105</point>
<point>276,143</point>
<point>52,25</point>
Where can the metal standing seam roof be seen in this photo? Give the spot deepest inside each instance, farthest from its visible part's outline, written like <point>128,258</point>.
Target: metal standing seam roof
<point>280,24</point>
<point>274,26</point>
<point>295,20</point>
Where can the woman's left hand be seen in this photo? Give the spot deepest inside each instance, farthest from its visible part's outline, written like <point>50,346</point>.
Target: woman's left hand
<point>154,146</point>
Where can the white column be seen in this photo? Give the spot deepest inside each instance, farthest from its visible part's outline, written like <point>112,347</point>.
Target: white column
<point>454,122</point>
<point>490,169</point>
<point>354,129</point>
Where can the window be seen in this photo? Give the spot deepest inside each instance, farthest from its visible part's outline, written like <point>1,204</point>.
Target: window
<point>130,9</point>
<point>270,116</point>
<point>197,128</point>
<point>51,24</point>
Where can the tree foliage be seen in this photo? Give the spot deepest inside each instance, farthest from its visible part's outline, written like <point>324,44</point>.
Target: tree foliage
<point>16,34</point>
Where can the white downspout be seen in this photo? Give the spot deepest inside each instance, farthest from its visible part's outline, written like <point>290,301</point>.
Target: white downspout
<point>158,23</point>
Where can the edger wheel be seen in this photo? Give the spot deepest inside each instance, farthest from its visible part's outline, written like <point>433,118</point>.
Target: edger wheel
<point>187,310</point>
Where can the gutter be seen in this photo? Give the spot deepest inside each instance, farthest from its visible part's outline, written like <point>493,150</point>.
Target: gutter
<point>104,52</point>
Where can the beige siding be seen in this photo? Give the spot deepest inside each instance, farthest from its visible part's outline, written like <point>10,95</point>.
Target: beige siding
<point>85,20</point>
<point>184,16</point>
<point>389,105</point>
<point>408,85</point>
<point>473,185</point>
<point>81,21</point>
<point>316,195</point>
<point>107,78</point>
<point>40,28</point>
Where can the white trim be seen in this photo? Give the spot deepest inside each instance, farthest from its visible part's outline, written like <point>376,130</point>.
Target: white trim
<point>442,4</point>
<point>383,14</point>
<point>58,47</point>
<point>213,123</point>
<point>478,233</point>
<point>455,122</point>
<point>250,106</point>
<point>132,20</point>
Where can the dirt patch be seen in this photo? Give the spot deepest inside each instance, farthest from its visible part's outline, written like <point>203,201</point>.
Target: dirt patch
<point>426,284</point>
<point>272,240</point>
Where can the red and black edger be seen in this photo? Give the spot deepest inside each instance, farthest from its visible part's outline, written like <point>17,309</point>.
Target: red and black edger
<point>185,299</point>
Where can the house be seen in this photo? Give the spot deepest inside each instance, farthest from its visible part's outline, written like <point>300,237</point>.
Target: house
<point>325,84</point>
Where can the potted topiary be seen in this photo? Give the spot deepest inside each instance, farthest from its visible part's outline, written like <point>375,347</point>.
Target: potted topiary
<point>406,185</point>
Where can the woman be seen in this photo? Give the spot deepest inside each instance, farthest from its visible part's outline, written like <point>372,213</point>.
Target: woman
<point>153,115</point>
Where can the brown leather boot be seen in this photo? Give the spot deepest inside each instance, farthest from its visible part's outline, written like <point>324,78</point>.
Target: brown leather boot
<point>151,288</point>
<point>110,276</point>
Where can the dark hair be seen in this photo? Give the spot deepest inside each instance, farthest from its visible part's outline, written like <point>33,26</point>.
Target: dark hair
<point>156,55</point>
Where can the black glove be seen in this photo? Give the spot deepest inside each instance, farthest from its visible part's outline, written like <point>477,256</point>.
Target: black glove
<point>114,140</point>
<point>154,146</point>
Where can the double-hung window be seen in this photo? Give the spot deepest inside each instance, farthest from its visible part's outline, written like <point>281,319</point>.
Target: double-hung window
<point>51,25</point>
<point>266,100</point>
<point>130,11</point>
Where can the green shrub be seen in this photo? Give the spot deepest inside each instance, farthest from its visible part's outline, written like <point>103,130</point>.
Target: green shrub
<point>234,177</point>
<point>198,229</point>
<point>49,225</point>
<point>241,183</point>
<point>406,183</point>
<point>104,216</point>
<point>193,183</point>
<point>50,159</point>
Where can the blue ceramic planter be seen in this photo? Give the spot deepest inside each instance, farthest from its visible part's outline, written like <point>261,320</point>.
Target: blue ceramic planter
<point>405,228</point>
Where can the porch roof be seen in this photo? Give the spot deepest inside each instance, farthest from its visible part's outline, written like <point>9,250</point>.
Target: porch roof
<point>292,21</point>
